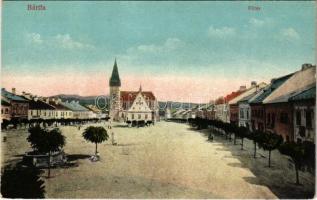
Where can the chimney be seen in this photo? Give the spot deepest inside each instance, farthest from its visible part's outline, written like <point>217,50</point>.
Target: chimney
<point>306,66</point>
<point>273,79</point>
<point>13,91</point>
<point>36,98</point>
<point>47,100</point>
<point>242,88</point>
<point>253,83</point>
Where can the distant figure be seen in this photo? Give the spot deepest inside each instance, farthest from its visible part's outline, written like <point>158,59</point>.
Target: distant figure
<point>112,139</point>
<point>210,137</point>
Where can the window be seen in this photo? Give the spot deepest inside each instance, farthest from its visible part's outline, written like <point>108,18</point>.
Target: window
<point>248,114</point>
<point>273,120</point>
<point>44,113</point>
<point>145,116</point>
<point>284,118</point>
<point>6,111</point>
<point>298,118</point>
<point>1,111</point>
<point>241,114</point>
<point>139,116</point>
<point>132,116</point>
<point>268,118</point>
<point>308,118</point>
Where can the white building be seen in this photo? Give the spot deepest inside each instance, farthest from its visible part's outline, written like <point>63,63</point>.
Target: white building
<point>78,111</point>
<point>129,106</point>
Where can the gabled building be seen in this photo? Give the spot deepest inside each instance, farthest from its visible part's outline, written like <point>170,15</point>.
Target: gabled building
<point>60,111</point>
<point>279,110</point>
<point>258,113</point>
<point>5,110</point>
<point>19,106</point>
<point>245,113</point>
<point>78,111</point>
<point>233,103</point>
<point>38,109</point>
<point>131,105</point>
<point>222,110</point>
<point>304,115</point>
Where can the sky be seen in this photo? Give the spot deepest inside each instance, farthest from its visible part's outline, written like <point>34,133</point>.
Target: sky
<point>182,51</point>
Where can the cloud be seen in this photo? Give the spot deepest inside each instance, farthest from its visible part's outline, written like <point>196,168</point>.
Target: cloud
<point>169,45</point>
<point>34,38</point>
<point>67,42</point>
<point>289,34</point>
<point>256,22</point>
<point>64,41</point>
<point>223,32</point>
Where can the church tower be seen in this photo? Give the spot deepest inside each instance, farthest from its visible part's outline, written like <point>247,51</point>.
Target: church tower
<point>114,84</point>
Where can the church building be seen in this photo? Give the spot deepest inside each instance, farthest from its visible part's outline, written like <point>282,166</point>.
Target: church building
<point>131,106</point>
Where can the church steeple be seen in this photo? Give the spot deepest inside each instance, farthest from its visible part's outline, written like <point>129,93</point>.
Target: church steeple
<point>140,88</point>
<point>115,79</point>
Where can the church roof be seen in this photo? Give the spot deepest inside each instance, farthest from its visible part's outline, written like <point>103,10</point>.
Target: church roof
<point>115,79</point>
<point>131,95</point>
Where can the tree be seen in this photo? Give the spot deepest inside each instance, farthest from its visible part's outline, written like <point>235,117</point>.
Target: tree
<point>255,136</point>
<point>45,141</point>
<point>95,135</point>
<point>242,132</point>
<point>296,152</point>
<point>301,153</point>
<point>270,141</point>
<point>18,182</point>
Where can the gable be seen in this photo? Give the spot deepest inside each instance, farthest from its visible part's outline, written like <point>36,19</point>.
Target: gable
<point>139,104</point>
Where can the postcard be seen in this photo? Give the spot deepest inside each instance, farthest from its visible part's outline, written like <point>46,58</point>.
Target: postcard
<point>158,99</point>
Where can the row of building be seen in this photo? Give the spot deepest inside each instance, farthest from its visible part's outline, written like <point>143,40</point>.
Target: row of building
<point>285,106</point>
<point>28,106</point>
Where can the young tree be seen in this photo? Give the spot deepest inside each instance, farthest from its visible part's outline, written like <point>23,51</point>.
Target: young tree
<point>95,135</point>
<point>45,141</point>
<point>242,132</point>
<point>296,152</point>
<point>270,141</point>
<point>255,136</point>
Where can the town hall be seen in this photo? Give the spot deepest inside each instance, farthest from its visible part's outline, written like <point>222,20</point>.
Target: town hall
<point>131,106</point>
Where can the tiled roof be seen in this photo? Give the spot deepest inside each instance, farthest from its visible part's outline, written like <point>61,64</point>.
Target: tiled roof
<point>11,96</point>
<point>305,95</point>
<point>300,81</point>
<point>131,95</point>
<point>58,106</point>
<point>249,97</point>
<point>39,105</point>
<point>4,102</point>
<point>275,83</point>
<point>74,106</point>
<point>246,93</point>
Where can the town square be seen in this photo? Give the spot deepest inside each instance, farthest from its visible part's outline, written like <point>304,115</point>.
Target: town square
<point>158,100</point>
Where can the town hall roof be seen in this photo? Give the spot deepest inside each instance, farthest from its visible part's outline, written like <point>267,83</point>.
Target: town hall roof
<point>115,79</point>
<point>131,95</point>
